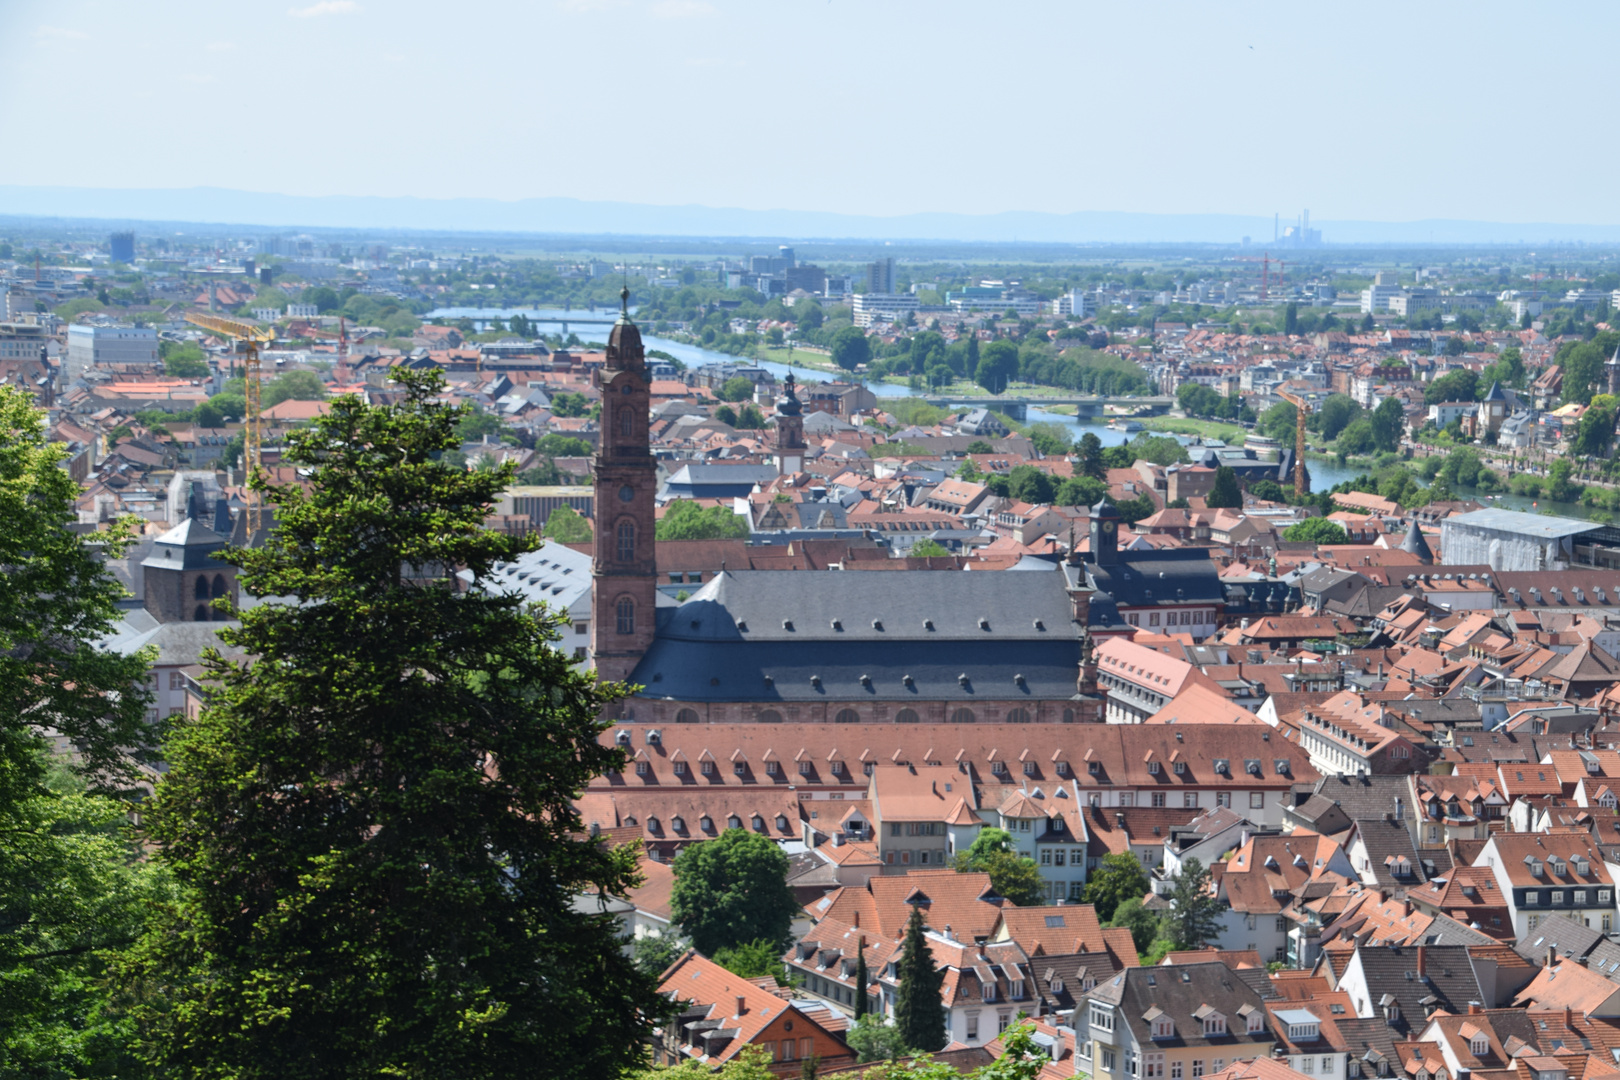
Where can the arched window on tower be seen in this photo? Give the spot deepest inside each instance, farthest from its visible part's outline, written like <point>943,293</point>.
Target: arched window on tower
<point>201,614</point>
<point>627,540</point>
<point>625,616</point>
<point>627,420</point>
<point>220,588</point>
<point>202,588</point>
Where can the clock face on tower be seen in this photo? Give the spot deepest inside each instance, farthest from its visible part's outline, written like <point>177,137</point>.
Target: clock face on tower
<point>1108,526</point>
<point>626,493</point>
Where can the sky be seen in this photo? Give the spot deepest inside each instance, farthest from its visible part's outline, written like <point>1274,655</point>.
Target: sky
<point>1371,111</point>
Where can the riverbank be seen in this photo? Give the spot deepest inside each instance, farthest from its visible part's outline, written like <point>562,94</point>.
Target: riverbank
<point>1231,434</point>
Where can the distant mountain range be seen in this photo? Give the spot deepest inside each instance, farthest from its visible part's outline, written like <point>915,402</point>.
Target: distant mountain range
<point>577,216</point>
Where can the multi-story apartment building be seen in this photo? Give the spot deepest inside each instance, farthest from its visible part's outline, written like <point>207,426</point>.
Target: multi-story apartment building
<point>1559,873</point>
<point>920,818</point>
<point>1176,1022</point>
<point>99,346</point>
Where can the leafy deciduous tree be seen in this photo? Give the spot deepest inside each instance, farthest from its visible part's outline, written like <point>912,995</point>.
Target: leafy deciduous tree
<point>1120,877</point>
<point>733,890</point>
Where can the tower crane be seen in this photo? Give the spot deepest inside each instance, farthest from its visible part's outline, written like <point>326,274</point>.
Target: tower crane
<point>1302,409</point>
<point>250,336</point>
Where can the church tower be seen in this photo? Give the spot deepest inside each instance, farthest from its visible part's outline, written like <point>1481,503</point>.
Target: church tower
<point>789,430</point>
<point>624,573</point>
<point>1105,522</point>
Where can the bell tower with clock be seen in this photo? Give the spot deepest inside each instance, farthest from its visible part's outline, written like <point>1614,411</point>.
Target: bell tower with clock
<point>1105,522</point>
<point>624,572</point>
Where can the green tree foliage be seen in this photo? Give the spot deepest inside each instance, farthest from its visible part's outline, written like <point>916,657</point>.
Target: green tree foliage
<point>750,419</point>
<point>1119,878</point>
<point>1090,449</point>
<point>726,415</point>
<point>1197,399</point>
<point>554,445</point>
<point>1159,449</point>
<point>219,410</point>
<point>183,360</point>
<point>685,520</point>
<point>1084,370</point>
<point>1388,424</point>
<point>873,1039</point>
<point>1269,490</point>
<point>74,893</point>
<point>1279,423</point>
<point>1507,369</point>
<point>567,526</point>
<point>1031,485</point>
<point>57,604</point>
<point>655,952</point>
<point>1080,491</point>
<point>736,388</point>
<point>476,424</point>
<point>1459,385</point>
<point>570,405</point>
<point>1291,319</point>
<point>1050,439</point>
<point>863,1000</point>
<point>1014,877</point>
<point>1140,921</point>
<point>998,366</point>
<point>1194,918</point>
<point>1336,412</point>
<point>928,549</point>
<point>294,386</point>
<point>1316,531</point>
<point>1596,431</point>
<point>1357,436</point>
<point>751,1063</point>
<point>850,349</point>
<point>1225,491</point>
<point>323,297</point>
<point>733,890</point>
<point>919,1008</point>
<point>753,959</point>
<point>373,822</point>
<point>1583,365</point>
<point>1560,484</point>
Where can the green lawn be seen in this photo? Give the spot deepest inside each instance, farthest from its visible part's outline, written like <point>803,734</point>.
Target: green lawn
<point>1211,429</point>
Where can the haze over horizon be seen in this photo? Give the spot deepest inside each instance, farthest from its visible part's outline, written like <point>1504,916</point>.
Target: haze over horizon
<point>834,109</point>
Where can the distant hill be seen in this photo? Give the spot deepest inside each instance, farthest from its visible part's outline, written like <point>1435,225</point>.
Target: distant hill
<point>557,215</point>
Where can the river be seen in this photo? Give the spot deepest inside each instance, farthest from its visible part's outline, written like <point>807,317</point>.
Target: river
<point>1324,474</point>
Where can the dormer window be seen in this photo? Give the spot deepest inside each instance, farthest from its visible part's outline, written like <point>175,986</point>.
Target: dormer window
<point>680,768</point>
<point>989,991</point>
<point>1181,768</point>
<point>1153,768</point>
<point>1095,767</point>
<point>1029,768</point>
<point>804,768</point>
<point>1479,1046</point>
<point>1063,768</point>
<point>708,768</point>
<point>1214,1024</point>
<point>781,823</point>
<point>998,767</point>
<point>1164,1028</point>
<point>758,823</point>
<point>771,768</point>
<point>1257,1022</point>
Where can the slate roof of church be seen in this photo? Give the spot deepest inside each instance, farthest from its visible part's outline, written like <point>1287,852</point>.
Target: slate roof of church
<point>743,626</point>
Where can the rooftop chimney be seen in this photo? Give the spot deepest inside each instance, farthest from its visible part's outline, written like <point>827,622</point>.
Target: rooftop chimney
<point>857,923</point>
<point>1420,953</point>
<point>742,1003</point>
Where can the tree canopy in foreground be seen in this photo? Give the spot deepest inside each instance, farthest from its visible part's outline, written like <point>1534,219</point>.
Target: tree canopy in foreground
<point>372,823</point>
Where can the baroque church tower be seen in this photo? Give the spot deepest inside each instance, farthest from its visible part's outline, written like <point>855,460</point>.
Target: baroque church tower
<point>624,574</point>
<point>789,430</point>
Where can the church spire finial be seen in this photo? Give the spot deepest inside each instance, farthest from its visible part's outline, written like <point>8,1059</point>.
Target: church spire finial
<point>624,302</point>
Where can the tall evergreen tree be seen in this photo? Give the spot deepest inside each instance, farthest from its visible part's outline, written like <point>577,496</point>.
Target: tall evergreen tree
<point>860,981</point>
<point>1225,491</point>
<point>373,820</point>
<point>1195,913</point>
<point>919,1008</point>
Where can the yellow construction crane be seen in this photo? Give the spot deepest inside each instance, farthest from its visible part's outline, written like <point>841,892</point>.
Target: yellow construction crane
<point>251,335</point>
<point>1302,409</point>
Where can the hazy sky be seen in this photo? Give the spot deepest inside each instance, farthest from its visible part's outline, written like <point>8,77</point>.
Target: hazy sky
<point>1371,111</point>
